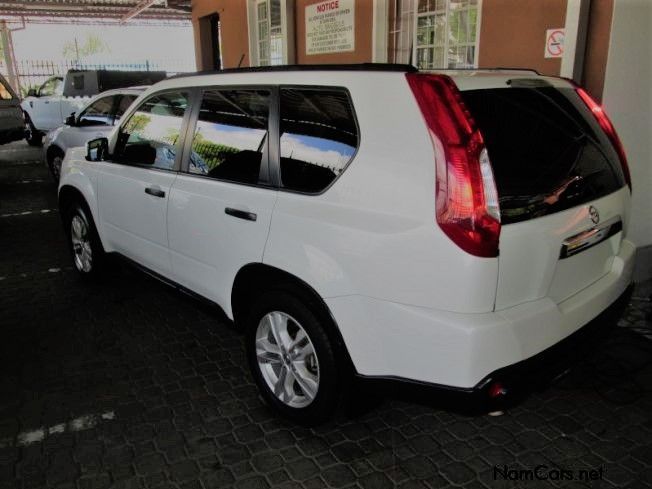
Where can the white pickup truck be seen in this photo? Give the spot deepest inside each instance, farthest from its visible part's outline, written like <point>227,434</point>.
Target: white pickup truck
<point>48,106</point>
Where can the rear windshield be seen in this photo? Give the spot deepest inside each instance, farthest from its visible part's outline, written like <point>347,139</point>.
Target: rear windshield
<point>547,150</point>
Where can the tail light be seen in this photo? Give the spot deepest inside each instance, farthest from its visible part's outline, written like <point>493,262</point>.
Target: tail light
<point>606,125</point>
<point>466,198</point>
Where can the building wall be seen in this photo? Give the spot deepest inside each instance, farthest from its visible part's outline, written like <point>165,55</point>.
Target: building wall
<point>235,36</point>
<point>363,35</point>
<point>513,33</point>
<point>628,101</point>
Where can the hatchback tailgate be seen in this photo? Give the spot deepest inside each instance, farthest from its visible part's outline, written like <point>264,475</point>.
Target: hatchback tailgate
<point>561,185</point>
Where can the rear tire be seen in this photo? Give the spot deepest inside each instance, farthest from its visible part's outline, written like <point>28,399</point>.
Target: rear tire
<point>33,136</point>
<point>292,359</point>
<point>87,252</point>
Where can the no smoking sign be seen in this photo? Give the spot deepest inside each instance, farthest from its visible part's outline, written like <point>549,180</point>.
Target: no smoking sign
<point>554,43</point>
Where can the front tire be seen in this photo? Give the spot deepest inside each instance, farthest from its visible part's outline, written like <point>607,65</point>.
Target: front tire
<point>55,160</point>
<point>87,251</point>
<point>32,135</point>
<point>292,358</point>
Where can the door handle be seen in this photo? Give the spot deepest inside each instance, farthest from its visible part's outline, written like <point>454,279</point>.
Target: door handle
<point>156,192</point>
<point>240,214</point>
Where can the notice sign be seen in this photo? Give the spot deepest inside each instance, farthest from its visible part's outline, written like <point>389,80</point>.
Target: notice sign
<point>554,43</point>
<point>330,27</point>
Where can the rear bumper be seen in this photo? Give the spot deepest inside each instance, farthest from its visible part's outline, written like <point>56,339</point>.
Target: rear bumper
<point>508,384</point>
<point>461,351</point>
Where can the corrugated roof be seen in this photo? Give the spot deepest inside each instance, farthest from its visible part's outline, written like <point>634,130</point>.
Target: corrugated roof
<point>44,10</point>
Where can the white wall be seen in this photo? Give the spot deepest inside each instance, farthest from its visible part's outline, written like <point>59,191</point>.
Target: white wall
<point>628,100</point>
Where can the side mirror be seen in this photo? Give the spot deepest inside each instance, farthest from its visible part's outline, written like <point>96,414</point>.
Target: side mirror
<point>32,92</point>
<point>70,120</point>
<point>97,149</point>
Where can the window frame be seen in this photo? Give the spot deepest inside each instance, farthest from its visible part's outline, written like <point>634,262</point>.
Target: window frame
<point>182,130</point>
<point>270,167</point>
<point>266,177</point>
<point>317,88</point>
<point>111,117</point>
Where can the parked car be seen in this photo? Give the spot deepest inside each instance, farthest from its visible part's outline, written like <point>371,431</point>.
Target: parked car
<point>94,120</point>
<point>447,229</point>
<point>48,106</point>
<point>11,115</point>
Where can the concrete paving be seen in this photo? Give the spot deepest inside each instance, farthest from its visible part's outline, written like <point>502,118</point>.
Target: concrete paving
<point>129,384</point>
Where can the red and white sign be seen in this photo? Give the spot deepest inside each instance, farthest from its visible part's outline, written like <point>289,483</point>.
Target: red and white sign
<point>554,43</point>
<point>330,27</point>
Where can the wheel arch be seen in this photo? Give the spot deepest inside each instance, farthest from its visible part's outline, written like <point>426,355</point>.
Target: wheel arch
<point>52,150</point>
<point>255,278</point>
<point>84,193</point>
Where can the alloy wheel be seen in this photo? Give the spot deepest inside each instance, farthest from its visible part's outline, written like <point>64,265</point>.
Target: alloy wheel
<point>81,244</point>
<point>287,359</point>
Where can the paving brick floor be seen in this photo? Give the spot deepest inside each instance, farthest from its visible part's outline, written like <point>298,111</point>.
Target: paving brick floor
<point>130,384</point>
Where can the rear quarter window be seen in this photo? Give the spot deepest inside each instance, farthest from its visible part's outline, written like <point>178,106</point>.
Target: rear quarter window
<point>318,137</point>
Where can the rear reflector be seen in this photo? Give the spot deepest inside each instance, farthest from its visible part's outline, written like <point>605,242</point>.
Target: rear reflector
<point>466,198</point>
<point>606,125</point>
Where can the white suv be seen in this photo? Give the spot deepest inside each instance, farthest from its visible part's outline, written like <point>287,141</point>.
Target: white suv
<point>370,221</point>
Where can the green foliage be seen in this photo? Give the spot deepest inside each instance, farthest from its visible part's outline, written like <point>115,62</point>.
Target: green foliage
<point>137,123</point>
<point>213,154</point>
<point>91,45</point>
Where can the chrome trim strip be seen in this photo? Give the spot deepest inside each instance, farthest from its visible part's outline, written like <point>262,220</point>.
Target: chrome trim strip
<point>589,238</point>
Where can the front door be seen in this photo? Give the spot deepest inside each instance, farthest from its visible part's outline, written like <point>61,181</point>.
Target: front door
<point>46,113</point>
<point>134,186</point>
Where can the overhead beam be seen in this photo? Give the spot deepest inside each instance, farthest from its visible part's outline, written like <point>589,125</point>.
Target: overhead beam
<point>138,8</point>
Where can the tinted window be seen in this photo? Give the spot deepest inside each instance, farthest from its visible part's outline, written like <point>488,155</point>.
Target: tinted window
<point>50,87</point>
<point>5,94</point>
<point>547,151</point>
<point>151,135</point>
<point>98,113</point>
<point>231,135</point>
<point>124,104</point>
<point>318,137</point>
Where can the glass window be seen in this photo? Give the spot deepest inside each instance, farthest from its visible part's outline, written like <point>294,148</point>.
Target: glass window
<point>231,135</point>
<point>124,104</point>
<point>318,137</point>
<point>445,35</point>
<point>151,135</point>
<point>269,32</point>
<point>5,94</point>
<point>51,87</point>
<point>98,113</point>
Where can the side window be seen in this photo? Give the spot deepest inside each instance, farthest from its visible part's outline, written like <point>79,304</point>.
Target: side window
<point>123,105</point>
<point>98,113</point>
<point>318,137</point>
<point>53,86</point>
<point>150,136</point>
<point>5,94</point>
<point>231,135</point>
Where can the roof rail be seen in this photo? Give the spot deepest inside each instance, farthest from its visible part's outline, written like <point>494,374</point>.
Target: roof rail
<point>323,67</point>
<point>489,68</point>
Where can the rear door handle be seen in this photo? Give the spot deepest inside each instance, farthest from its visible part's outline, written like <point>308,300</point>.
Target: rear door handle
<point>240,214</point>
<point>155,191</point>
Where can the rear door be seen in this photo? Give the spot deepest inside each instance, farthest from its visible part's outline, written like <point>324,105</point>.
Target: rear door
<point>221,203</point>
<point>562,191</point>
<point>135,186</point>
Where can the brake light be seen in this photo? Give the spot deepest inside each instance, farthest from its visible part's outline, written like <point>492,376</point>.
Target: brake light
<point>466,199</point>
<point>606,125</point>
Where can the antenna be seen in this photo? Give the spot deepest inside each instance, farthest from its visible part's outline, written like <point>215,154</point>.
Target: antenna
<point>241,60</point>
